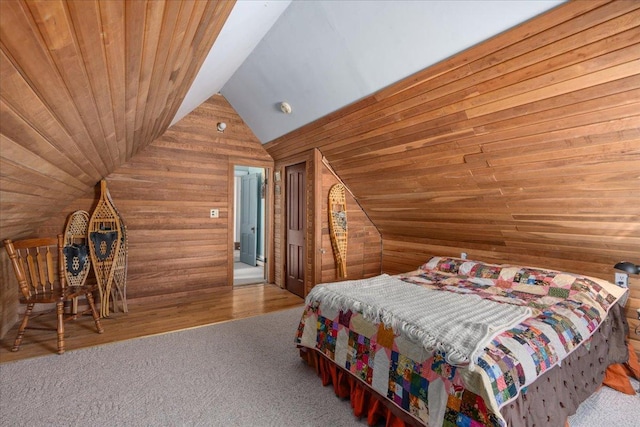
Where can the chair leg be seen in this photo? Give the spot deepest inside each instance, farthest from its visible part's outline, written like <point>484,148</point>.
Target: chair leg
<point>94,313</point>
<point>74,306</point>
<point>60,313</point>
<point>23,326</point>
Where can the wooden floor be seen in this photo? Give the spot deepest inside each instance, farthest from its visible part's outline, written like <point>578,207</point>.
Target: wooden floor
<point>152,317</point>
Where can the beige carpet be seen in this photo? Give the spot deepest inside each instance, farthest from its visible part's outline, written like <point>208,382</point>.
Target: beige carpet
<point>241,373</point>
<point>608,407</point>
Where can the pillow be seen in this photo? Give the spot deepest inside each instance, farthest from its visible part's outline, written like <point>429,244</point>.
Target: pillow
<point>485,271</point>
<point>616,377</point>
<point>530,281</point>
<point>463,267</point>
<point>446,265</point>
<point>632,366</point>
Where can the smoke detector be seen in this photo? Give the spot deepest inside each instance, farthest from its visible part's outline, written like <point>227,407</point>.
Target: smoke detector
<point>285,107</point>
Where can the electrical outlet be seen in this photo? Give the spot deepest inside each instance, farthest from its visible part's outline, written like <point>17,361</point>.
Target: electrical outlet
<point>215,213</point>
<point>622,280</point>
<point>638,310</point>
<point>463,255</point>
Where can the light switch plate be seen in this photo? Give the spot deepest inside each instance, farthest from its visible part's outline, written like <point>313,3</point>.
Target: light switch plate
<point>622,280</point>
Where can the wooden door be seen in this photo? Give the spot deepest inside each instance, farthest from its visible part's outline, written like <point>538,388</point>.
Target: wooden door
<point>249,218</point>
<point>296,228</point>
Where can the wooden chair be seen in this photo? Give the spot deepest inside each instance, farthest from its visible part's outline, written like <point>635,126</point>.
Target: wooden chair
<point>39,268</point>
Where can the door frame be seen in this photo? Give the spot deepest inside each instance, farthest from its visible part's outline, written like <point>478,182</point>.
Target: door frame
<point>313,161</point>
<point>269,264</point>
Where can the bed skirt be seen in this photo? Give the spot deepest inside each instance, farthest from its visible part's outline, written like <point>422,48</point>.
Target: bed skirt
<point>581,374</point>
<point>364,401</point>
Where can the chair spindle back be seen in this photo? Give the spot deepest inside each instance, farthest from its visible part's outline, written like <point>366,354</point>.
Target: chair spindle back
<point>38,264</point>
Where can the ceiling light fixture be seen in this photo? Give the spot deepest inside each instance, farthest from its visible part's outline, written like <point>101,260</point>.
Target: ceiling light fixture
<point>285,107</point>
<point>221,126</point>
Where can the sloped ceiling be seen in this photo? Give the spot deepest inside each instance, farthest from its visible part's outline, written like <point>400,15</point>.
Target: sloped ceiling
<point>323,55</point>
<point>523,148</point>
<point>85,85</point>
<point>248,23</point>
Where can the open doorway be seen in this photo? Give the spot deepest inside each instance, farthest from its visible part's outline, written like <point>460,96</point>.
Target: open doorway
<point>249,225</point>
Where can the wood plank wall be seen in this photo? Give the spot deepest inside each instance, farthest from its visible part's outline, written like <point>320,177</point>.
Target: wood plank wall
<point>164,194</point>
<point>8,294</point>
<point>364,244</point>
<point>522,149</point>
<point>84,85</point>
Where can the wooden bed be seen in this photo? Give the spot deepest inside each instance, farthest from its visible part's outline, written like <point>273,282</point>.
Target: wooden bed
<point>465,343</point>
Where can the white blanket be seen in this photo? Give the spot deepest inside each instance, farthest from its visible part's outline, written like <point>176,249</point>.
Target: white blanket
<point>459,325</point>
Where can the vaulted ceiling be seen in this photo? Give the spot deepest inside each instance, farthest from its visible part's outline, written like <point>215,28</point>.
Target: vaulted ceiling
<point>320,56</point>
<point>87,84</point>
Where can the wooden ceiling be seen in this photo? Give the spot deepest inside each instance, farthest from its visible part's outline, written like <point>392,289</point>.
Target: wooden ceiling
<point>84,86</point>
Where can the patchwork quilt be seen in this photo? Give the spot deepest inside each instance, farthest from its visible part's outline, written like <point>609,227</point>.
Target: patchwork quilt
<point>565,311</point>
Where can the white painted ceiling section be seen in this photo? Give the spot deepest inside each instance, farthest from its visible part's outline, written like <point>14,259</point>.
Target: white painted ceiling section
<point>247,24</point>
<point>320,56</point>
